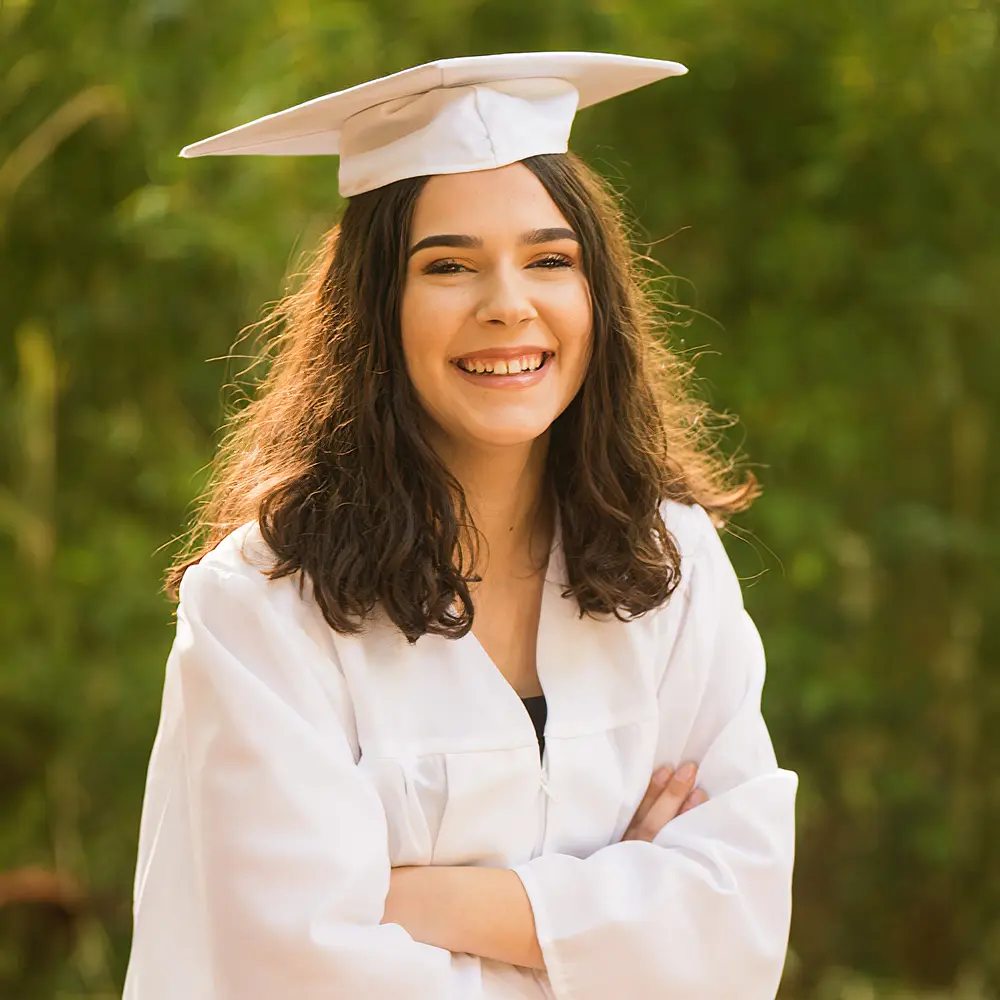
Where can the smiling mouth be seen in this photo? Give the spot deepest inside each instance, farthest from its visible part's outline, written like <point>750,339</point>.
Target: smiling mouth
<point>500,367</point>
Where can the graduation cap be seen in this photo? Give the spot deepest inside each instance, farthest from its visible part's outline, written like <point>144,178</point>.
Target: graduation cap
<point>444,117</point>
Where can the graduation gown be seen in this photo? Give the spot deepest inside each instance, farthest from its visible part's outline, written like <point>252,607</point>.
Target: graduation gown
<point>293,766</point>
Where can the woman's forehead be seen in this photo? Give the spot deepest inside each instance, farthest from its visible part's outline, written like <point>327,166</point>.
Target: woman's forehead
<point>508,199</point>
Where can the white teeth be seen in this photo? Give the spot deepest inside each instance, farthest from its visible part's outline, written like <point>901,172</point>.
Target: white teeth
<point>526,363</point>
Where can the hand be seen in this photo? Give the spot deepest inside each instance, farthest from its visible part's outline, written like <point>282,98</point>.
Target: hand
<point>669,795</point>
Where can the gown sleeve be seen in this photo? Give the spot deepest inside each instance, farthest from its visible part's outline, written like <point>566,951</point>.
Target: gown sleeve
<point>263,862</point>
<point>702,912</point>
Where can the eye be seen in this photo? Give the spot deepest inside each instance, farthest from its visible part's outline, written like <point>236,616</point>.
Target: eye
<point>445,267</point>
<point>552,260</point>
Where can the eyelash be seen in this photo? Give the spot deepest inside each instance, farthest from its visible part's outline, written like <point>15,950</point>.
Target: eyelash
<point>548,263</point>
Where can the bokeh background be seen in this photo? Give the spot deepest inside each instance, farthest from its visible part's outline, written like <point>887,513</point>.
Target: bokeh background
<point>825,185</point>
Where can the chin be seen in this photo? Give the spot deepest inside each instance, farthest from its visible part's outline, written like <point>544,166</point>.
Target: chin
<point>506,437</point>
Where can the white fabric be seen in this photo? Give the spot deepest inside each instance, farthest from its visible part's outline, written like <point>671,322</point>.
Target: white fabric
<point>294,766</point>
<point>447,116</point>
<point>455,130</point>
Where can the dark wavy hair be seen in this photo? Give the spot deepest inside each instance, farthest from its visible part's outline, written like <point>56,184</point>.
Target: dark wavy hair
<point>330,459</point>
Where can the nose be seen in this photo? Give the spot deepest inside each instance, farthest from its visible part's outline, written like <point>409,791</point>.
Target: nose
<point>505,301</point>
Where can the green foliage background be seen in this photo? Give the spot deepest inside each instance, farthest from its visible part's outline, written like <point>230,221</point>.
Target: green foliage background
<point>828,177</point>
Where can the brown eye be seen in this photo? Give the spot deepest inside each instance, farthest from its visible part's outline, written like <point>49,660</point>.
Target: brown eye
<point>553,261</point>
<point>445,267</point>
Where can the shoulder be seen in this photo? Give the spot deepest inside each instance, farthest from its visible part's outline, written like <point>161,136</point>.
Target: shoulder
<point>247,641</point>
<point>690,526</point>
<point>706,568</point>
<point>230,590</point>
<point>235,573</point>
<point>243,552</point>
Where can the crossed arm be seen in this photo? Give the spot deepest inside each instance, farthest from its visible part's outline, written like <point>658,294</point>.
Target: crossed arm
<point>283,874</point>
<point>486,911</point>
<point>481,911</point>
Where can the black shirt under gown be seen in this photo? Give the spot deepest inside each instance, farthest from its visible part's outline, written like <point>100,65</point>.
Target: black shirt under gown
<point>537,709</point>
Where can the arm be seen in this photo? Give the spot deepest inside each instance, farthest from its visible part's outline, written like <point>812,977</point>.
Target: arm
<point>482,911</point>
<point>263,865</point>
<point>485,911</point>
<point>702,912</point>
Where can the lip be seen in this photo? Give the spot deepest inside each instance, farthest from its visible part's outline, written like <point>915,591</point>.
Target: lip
<point>504,353</point>
<point>522,380</point>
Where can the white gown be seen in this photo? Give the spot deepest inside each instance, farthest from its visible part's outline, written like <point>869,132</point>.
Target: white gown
<point>294,766</point>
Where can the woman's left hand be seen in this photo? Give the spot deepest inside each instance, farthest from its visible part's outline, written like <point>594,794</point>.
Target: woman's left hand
<point>668,796</point>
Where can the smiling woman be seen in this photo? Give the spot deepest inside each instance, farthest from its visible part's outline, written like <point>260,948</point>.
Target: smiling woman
<point>419,274</point>
<point>512,288</point>
<point>455,607</point>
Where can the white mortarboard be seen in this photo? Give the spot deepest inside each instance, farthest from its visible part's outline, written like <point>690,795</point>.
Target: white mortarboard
<point>445,117</point>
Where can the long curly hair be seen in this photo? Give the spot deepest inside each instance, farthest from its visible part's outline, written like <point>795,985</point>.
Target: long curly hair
<point>329,456</point>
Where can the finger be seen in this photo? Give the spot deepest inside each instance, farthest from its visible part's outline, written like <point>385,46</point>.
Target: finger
<point>696,798</point>
<point>669,802</point>
<point>656,785</point>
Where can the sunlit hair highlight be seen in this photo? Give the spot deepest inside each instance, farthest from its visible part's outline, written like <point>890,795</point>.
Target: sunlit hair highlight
<point>330,459</point>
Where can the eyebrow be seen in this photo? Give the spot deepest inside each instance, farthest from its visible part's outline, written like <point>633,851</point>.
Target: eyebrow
<point>537,236</point>
<point>532,238</point>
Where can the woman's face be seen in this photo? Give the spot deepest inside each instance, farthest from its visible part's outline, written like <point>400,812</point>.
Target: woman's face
<point>496,315</point>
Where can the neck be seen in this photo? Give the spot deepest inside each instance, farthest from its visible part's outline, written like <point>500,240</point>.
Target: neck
<point>505,490</point>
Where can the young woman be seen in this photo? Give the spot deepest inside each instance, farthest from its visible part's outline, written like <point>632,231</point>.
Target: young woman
<point>456,609</point>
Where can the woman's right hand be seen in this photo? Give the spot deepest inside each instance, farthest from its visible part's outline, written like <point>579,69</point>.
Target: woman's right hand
<point>669,794</point>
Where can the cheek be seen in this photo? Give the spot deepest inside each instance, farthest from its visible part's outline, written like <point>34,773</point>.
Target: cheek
<point>421,331</point>
<point>430,314</point>
<point>575,332</point>
<point>426,330</point>
<point>415,328</point>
